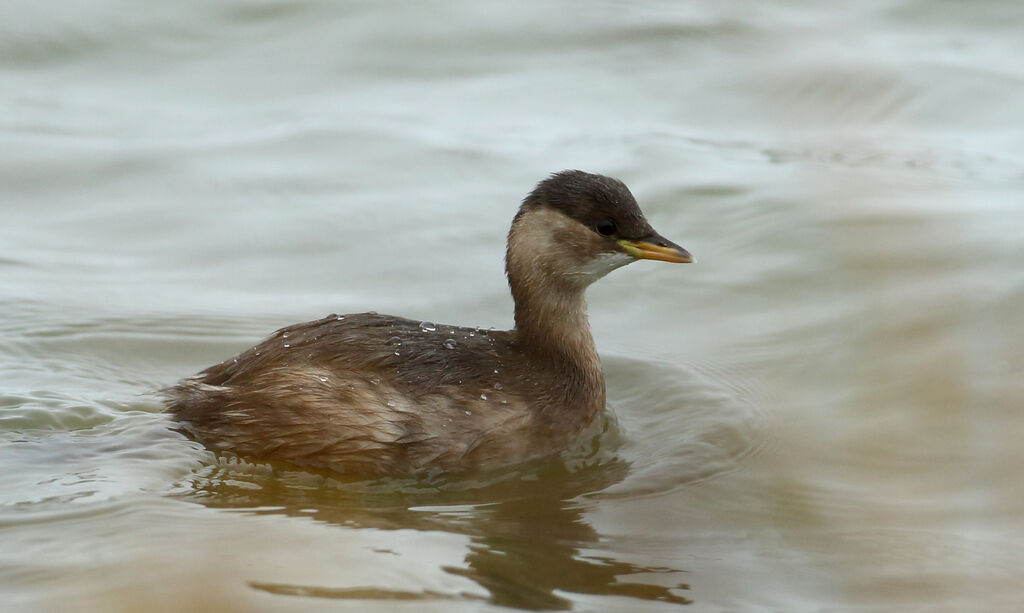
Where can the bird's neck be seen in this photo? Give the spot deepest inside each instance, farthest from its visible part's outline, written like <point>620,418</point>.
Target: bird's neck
<point>550,308</point>
<point>553,329</point>
<point>555,323</point>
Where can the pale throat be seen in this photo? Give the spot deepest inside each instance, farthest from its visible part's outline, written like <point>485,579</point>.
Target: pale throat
<point>604,264</point>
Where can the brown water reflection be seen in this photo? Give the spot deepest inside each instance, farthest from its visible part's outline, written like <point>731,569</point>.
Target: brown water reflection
<point>530,540</point>
<point>824,414</point>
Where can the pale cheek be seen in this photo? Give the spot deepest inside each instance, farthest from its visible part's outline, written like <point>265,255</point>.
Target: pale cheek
<point>604,264</point>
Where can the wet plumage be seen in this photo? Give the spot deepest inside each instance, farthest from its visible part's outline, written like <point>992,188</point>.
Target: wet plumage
<point>377,394</point>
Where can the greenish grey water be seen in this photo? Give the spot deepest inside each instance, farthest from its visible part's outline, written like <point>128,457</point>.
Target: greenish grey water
<point>823,414</point>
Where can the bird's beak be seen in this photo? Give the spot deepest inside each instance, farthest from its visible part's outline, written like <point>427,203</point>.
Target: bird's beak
<point>656,247</point>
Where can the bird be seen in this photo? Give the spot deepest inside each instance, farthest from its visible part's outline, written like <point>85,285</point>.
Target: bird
<point>374,395</point>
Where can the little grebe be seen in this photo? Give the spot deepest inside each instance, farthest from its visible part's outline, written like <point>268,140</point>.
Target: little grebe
<point>373,394</point>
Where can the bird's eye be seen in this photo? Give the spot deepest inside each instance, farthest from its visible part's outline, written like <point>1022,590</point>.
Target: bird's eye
<point>605,227</point>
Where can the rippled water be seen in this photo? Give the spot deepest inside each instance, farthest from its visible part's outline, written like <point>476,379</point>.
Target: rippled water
<point>823,414</point>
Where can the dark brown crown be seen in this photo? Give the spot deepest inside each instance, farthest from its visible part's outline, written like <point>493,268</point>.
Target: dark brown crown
<point>590,199</point>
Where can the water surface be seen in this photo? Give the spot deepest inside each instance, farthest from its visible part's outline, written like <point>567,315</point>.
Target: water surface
<point>823,414</point>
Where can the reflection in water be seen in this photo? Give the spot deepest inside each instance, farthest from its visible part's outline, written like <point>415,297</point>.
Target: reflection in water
<point>527,529</point>
<point>177,182</point>
<point>529,548</point>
